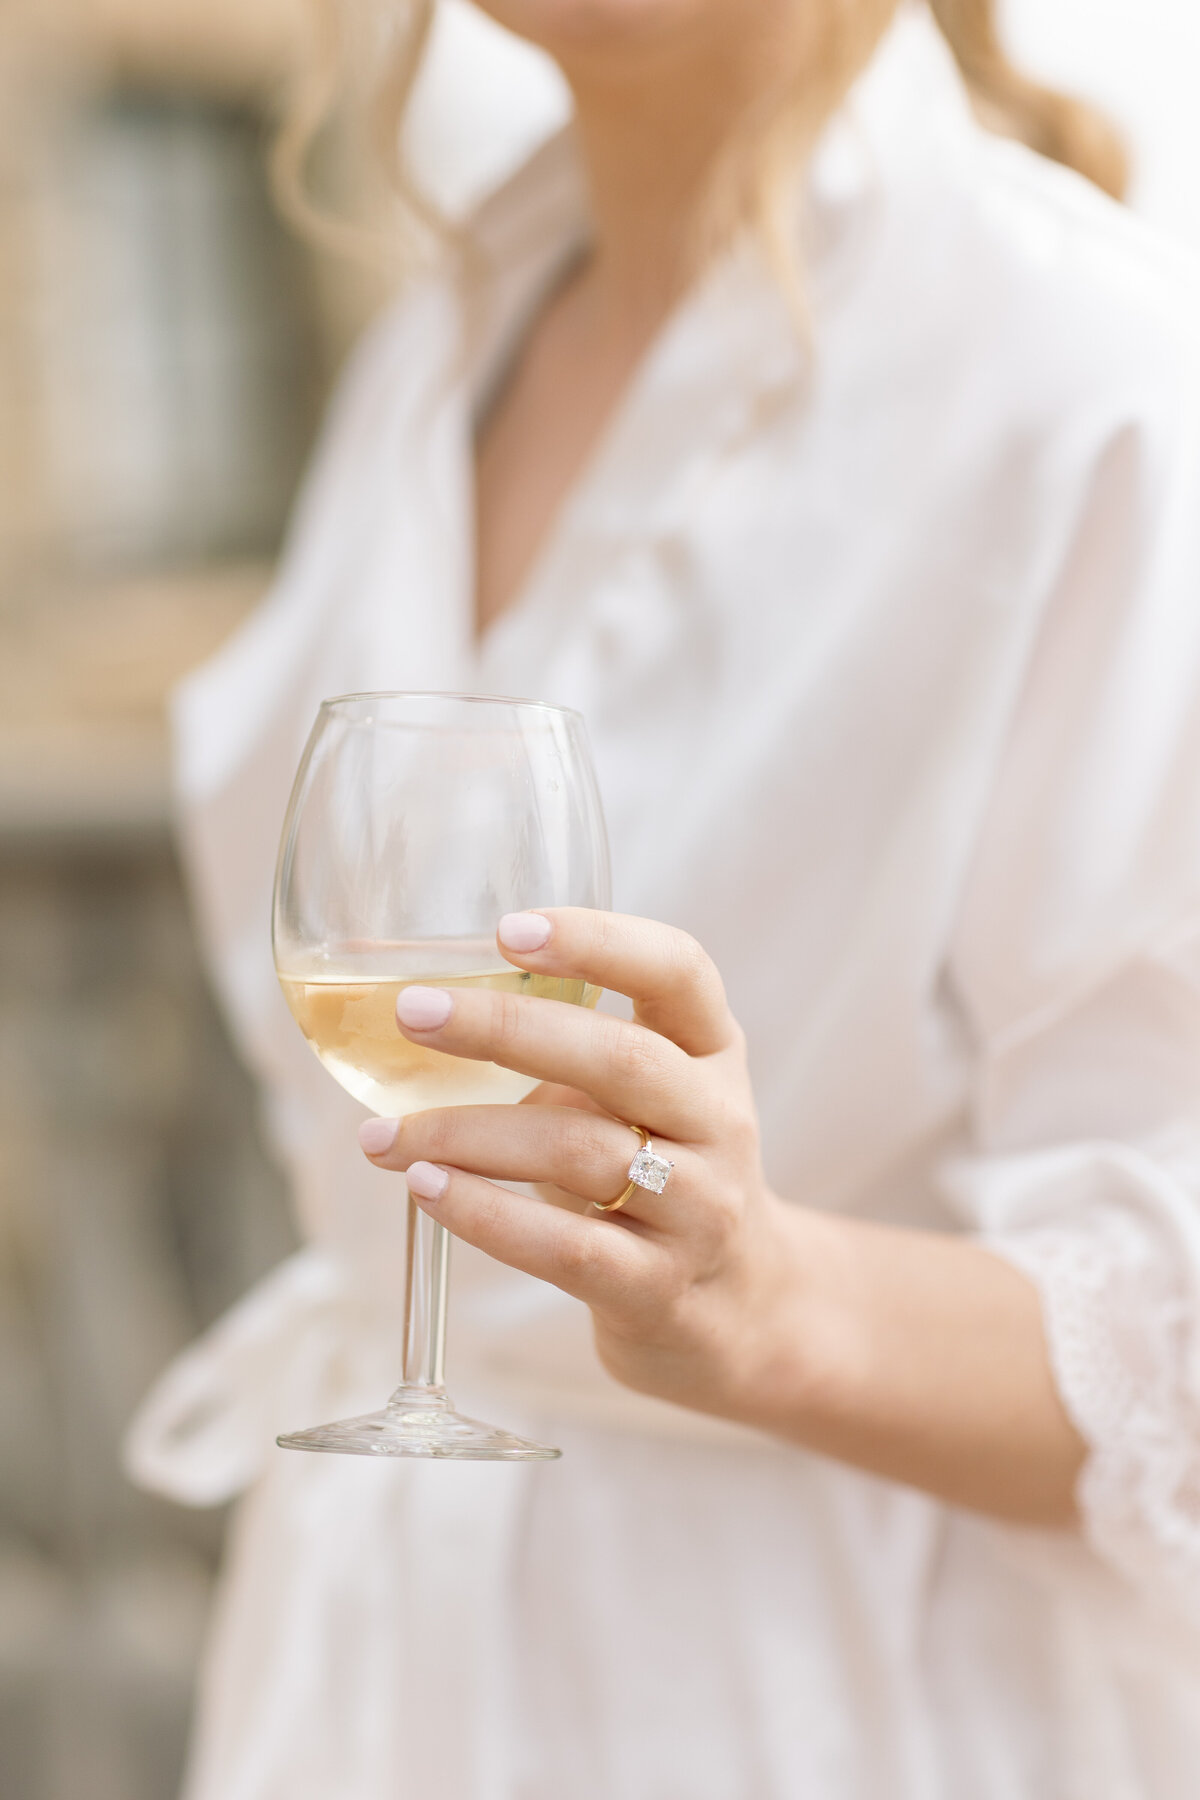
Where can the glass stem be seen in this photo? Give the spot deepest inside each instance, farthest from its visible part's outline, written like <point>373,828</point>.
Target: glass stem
<point>426,1287</point>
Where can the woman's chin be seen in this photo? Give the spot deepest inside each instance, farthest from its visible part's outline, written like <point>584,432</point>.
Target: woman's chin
<point>564,27</point>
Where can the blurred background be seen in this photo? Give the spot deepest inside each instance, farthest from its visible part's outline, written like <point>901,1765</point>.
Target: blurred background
<point>165,349</point>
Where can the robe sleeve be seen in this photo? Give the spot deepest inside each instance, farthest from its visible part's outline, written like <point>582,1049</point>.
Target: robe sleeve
<point>1076,959</point>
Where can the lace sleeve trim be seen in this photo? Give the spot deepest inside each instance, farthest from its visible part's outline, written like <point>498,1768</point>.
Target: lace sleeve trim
<point>1121,1329</point>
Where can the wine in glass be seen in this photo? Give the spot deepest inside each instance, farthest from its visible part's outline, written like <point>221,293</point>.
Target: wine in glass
<point>416,821</point>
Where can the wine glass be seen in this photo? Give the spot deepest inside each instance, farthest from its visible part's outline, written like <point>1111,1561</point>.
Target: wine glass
<point>416,821</point>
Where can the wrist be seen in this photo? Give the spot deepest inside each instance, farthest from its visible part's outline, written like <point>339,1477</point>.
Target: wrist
<point>795,1361</point>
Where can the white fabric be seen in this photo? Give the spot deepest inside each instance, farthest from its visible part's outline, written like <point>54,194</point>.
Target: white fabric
<point>890,660</point>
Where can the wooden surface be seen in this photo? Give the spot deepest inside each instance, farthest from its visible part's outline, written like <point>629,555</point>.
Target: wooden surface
<point>234,44</point>
<point>83,683</point>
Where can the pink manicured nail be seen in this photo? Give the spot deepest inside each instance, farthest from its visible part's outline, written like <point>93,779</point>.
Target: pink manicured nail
<point>422,1008</point>
<point>524,931</point>
<point>426,1180</point>
<point>378,1135</point>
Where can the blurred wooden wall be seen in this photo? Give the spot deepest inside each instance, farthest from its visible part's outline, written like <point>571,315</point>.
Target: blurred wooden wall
<point>164,351</point>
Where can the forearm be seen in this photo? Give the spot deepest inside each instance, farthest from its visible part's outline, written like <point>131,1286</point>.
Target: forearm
<point>920,1357</point>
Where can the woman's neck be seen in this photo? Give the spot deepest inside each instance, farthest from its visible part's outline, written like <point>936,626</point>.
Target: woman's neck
<point>654,133</point>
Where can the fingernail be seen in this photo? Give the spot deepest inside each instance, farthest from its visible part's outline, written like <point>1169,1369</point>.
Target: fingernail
<point>422,1008</point>
<point>524,931</point>
<point>426,1180</point>
<point>378,1135</point>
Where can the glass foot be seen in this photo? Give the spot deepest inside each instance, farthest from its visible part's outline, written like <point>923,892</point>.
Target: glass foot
<point>418,1421</point>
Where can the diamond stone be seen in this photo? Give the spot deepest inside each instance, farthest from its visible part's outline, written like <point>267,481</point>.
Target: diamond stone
<point>650,1171</point>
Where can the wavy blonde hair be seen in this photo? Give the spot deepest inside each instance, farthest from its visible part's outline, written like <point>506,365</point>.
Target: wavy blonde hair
<point>754,182</point>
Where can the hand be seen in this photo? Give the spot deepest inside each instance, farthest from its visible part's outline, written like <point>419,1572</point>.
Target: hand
<point>915,1354</point>
<point>680,1284</point>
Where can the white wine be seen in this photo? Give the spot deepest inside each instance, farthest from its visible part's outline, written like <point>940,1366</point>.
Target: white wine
<point>346,1007</point>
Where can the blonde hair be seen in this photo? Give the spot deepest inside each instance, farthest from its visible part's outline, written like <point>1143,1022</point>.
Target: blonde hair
<point>755,180</point>
<point>349,40</point>
<point>1064,128</point>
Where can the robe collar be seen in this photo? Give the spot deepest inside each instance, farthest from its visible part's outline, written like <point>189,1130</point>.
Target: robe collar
<point>733,351</point>
<point>376,588</point>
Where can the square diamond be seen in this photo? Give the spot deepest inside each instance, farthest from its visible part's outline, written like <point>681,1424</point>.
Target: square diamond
<point>650,1171</point>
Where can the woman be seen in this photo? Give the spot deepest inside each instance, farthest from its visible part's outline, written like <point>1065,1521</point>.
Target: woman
<point>881,1467</point>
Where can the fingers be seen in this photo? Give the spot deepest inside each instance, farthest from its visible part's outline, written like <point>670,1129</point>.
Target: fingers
<point>586,1153</point>
<point>673,984</point>
<point>633,1072</point>
<point>552,1093</point>
<point>585,1256</point>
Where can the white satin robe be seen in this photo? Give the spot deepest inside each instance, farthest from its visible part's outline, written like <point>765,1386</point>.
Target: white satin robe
<point>890,657</point>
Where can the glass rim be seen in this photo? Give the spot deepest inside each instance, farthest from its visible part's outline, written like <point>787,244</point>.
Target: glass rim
<point>369,694</point>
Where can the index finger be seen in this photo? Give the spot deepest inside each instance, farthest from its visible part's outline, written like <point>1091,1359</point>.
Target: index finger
<point>673,983</point>
<point>630,1070</point>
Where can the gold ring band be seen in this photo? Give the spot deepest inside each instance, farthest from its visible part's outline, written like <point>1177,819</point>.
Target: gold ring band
<point>618,1203</point>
